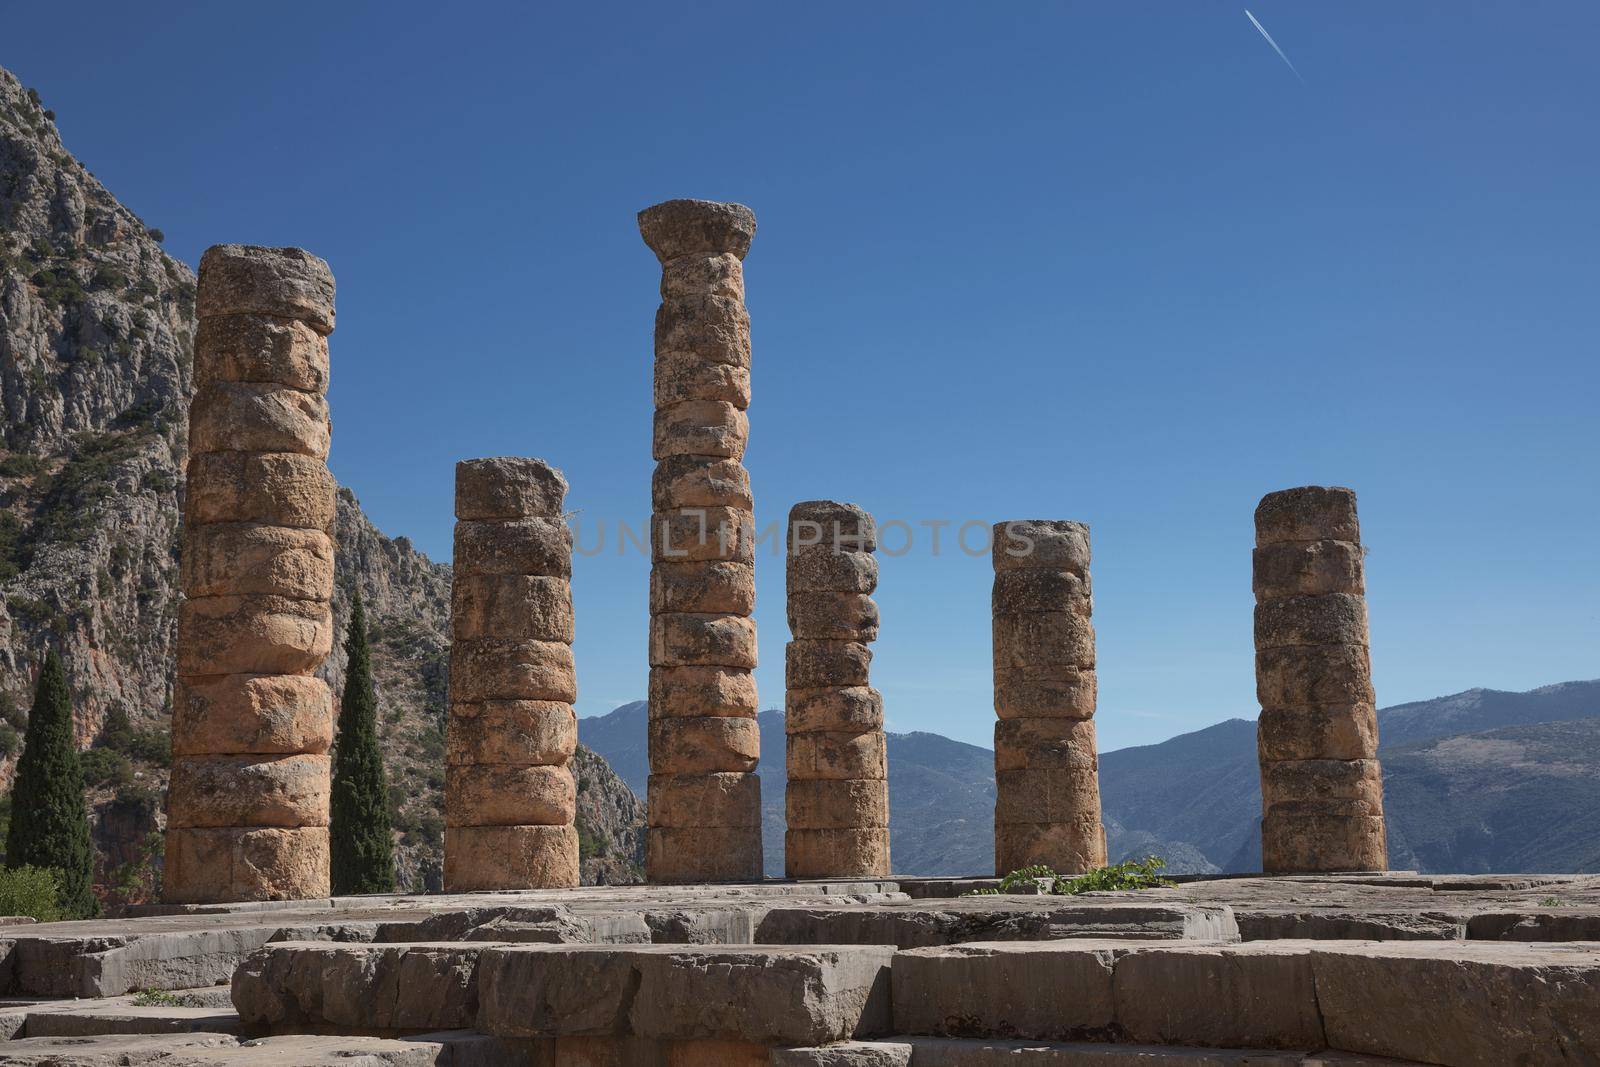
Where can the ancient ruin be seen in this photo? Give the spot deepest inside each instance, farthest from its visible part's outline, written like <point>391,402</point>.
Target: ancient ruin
<point>1047,782</point>
<point>704,799</point>
<point>510,797</point>
<point>1321,785</point>
<point>838,793</point>
<point>251,726</point>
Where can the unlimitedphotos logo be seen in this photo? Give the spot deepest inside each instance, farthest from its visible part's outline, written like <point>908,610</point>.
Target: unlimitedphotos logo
<point>688,532</point>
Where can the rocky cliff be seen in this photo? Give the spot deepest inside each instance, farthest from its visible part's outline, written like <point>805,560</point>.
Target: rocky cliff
<point>96,333</point>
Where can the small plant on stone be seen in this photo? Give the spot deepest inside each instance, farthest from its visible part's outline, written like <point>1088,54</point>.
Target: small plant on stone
<point>164,998</point>
<point>1130,874</point>
<point>1552,902</point>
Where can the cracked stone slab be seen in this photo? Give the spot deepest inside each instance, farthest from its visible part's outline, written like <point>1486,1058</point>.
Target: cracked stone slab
<point>947,1052</point>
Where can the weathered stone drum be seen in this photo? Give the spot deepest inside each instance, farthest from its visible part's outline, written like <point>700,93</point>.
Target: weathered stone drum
<point>247,811</point>
<point>704,799</point>
<point>510,797</point>
<point>838,793</point>
<point>1317,738</point>
<point>1047,777</point>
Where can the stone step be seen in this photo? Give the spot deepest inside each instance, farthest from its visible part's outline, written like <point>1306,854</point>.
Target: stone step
<point>945,1052</point>
<point>1445,1002</point>
<point>127,1015</point>
<point>455,1049</point>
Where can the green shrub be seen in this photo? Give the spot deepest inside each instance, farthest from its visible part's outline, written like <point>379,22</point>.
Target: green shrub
<point>1130,874</point>
<point>30,891</point>
<point>105,767</point>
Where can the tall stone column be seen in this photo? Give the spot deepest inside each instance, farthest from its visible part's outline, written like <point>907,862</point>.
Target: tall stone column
<point>1047,776</point>
<point>510,797</point>
<point>838,792</point>
<point>704,801</point>
<point>247,815</point>
<point>1321,785</point>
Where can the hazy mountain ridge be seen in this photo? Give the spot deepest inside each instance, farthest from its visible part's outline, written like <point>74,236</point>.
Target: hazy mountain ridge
<point>96,361</point>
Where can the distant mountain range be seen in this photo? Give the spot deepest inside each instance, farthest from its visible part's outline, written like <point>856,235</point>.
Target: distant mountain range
<point>1478,781</point>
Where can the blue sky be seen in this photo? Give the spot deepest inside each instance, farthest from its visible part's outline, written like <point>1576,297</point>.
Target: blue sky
<point>1107,262</point>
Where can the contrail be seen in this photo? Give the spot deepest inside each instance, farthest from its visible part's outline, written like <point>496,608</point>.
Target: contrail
<point>1257,24</point>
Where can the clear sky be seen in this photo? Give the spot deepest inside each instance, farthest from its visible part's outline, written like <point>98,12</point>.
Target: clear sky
<point>1111,262</point>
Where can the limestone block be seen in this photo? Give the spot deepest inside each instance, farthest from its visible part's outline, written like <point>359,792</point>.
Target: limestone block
<point>725,800</point>
<point>234,558</point>
<point>512,606</point>
<point>837,755</point>
<point>1041,544</point>
<point>711,328</point>
<point>824,569</point>
<point>837,805</point>
<point>242,713</point>
<point>509,857</point>
<point>1069,847</point>
<point>323,985</point>
<point>1309,785</point>
<point>1308,513</point>
<point>1038,989</point>
<point>503,794</point>
<point>1308,675</point>
<point>529,732</point>
<point>249,790</point>
<point>1508,1003</point>
<point>813,664</point>
<point>843,709</point>
<point>209,866</point>
<point>831,523</point>
<point>693,640</point>
<point>691,481</point>
<point>710,587</point>
<point>1044,692</point>
<point>695,691</point>
<point>1294,841</point>
<point>249,279</point>
<point>273,488</point>
<point>833,616</point>
<point>253,635</point>
<point>676,854</point>
<point>677,228</point>
<point>1335,731</point>
<point>489,668</point>
<point>1032,591</point>
<point>508,488</point>
<point>845,1054</point>
<point>259,417</point>
<point>260,348</point>
<point>1308,568</point>
<point>1047,794</point>
<point>1256,995</point>
<point>527,546</point>
<point>703,274</point>
<point>854,852</point>
<point>685,376</point>
<point>701,428</point>
<point>1329,619</point>
<point>699,534</point>
<point>1045,639</point>
<point>1067,744</point>
<point>706,745</point>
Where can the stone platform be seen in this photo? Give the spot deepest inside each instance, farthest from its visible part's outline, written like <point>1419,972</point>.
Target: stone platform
<point>909,972</point>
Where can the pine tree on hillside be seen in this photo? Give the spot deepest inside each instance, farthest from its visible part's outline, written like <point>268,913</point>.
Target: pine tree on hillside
<point>49,820</point>
<point>361,846</point>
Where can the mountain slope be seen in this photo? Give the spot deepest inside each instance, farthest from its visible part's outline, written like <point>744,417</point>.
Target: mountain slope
<point>96,357</point>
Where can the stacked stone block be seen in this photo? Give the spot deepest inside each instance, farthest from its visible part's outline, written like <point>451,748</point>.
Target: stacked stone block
<point>704,801</point>
<point>838,792</point>
<point>510,795</point>
<point>1317,738</point>
<point>247,811</point>
<point>1047,778</point>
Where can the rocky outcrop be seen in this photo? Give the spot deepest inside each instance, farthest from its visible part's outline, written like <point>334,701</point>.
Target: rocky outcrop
<point>97,329</point>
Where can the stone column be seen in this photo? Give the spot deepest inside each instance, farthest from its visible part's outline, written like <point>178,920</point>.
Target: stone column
<point>838,793</point>
<point>1047,776</point>
<point>247,815</point>
<point>1321,786</point>
<point>704,801</point>
<point>510,797</point>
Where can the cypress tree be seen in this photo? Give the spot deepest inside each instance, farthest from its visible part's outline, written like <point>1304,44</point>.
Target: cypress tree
<point>49,820</point>
<point>361,848</point>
